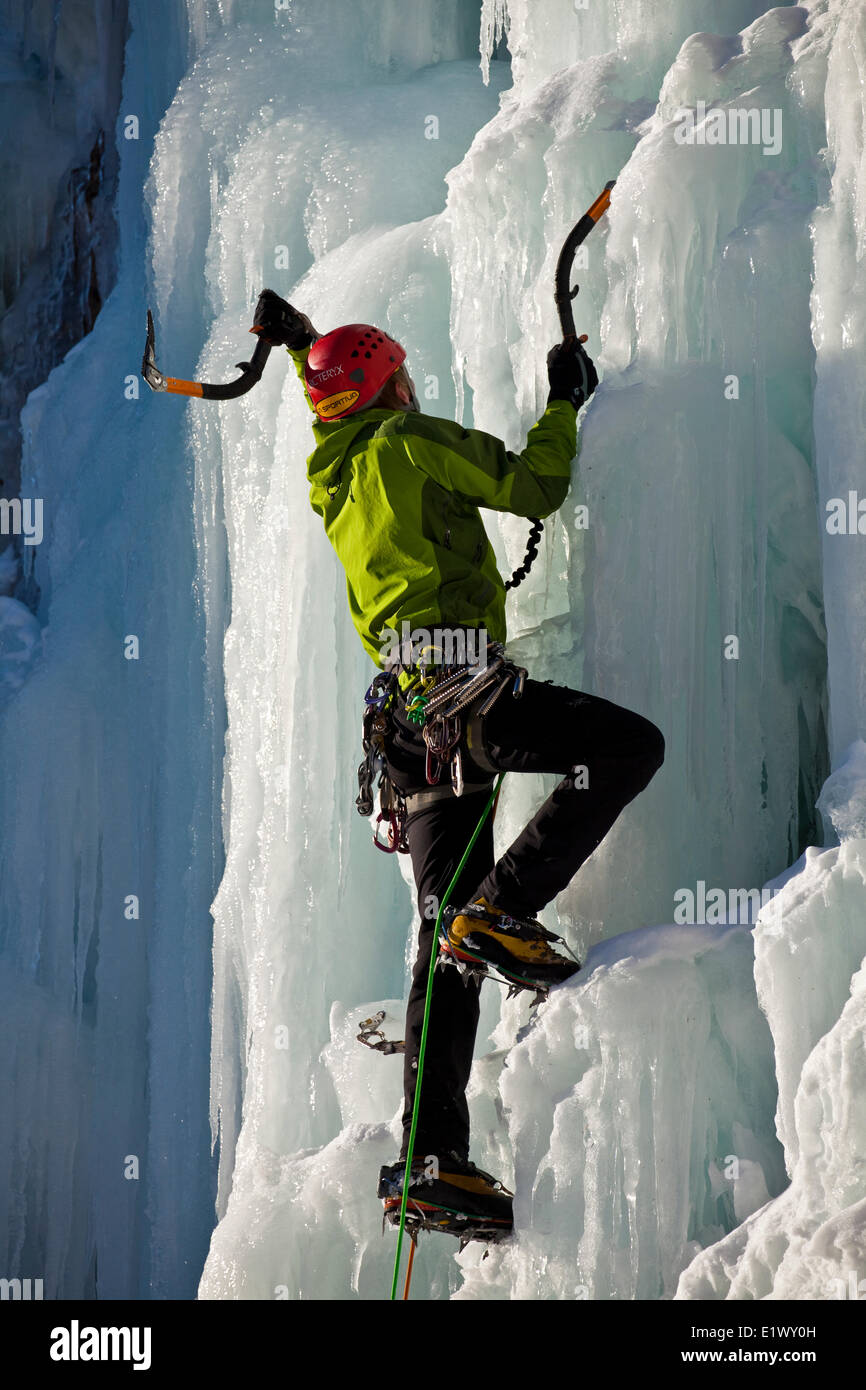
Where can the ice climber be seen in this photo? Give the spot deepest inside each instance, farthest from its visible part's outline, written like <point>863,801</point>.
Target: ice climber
<point>399,493</point>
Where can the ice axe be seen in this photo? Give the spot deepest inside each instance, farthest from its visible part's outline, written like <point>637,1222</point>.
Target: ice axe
<point>210,391</point>
<point>563,294</point>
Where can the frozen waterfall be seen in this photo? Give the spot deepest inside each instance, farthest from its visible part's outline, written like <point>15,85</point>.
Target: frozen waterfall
<point>684,1119</point>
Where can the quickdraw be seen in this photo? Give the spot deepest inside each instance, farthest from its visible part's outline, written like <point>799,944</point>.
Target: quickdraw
<point>441,737</point>
<point>370,1028</point>
<point>392,812</point>
<point>443,701</point>
<point>392,804</point>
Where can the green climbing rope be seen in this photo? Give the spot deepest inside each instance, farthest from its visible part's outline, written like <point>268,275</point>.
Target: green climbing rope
<point>423,1045</point>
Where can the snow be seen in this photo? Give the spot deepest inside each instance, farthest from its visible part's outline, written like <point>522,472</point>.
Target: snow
<point>683,1119</point>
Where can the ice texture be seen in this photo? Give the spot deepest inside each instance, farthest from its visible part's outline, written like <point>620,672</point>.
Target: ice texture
<point>705,523</point>
<point>20,640</point>
<point>638,1120</point>
<point>810,950</point>
<point>109,774</point>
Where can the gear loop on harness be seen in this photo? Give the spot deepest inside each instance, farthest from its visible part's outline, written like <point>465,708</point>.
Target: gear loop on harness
<point>448,705</point>
<point>451,711</point>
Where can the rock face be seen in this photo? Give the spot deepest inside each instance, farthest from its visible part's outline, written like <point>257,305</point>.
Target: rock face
<point>60,82</point>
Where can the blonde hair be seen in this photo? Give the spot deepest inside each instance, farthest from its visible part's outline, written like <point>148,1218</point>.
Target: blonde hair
<point>387,398</point>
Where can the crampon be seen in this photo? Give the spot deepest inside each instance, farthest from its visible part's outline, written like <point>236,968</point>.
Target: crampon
<point>458,1200</point>
<point>482,941</point>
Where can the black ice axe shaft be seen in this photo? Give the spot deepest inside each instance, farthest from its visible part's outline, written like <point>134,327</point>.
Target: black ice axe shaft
<point>210,391</point>
<point>563,293</point>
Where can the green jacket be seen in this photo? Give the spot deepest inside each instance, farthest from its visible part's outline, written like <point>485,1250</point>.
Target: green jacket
<point>399,494</point>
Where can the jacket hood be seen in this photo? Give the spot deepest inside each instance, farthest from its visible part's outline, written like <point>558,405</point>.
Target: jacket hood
<point>334,440</point>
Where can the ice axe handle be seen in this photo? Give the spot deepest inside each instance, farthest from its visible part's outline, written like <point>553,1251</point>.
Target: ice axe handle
<point>210,391</point>
<point>563,293</point>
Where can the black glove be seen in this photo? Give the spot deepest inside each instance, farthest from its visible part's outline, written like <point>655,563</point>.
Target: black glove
<point>279,324</point>
<point>571,374</point>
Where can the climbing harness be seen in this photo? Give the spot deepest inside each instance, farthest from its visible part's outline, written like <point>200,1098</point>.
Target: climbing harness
<point>448,704</point>
<point>453,703</point>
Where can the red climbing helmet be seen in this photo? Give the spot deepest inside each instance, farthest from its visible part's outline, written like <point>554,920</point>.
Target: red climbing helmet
<point>348,367</point>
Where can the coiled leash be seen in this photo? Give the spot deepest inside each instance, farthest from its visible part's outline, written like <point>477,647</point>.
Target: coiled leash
<point>531,555</point>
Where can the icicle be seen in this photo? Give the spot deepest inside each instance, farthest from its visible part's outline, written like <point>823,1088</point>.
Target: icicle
<point>494,21</point>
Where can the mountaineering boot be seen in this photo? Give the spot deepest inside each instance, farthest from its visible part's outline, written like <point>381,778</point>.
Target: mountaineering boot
<point>481,934</point>
<point>449,1195</point>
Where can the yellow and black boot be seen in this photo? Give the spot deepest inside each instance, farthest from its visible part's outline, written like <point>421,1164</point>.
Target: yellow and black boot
<point>449,1195</point>
<point>480,935</point>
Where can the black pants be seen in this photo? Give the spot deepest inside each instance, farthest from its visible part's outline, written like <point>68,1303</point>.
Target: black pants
<point>607,756</point>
